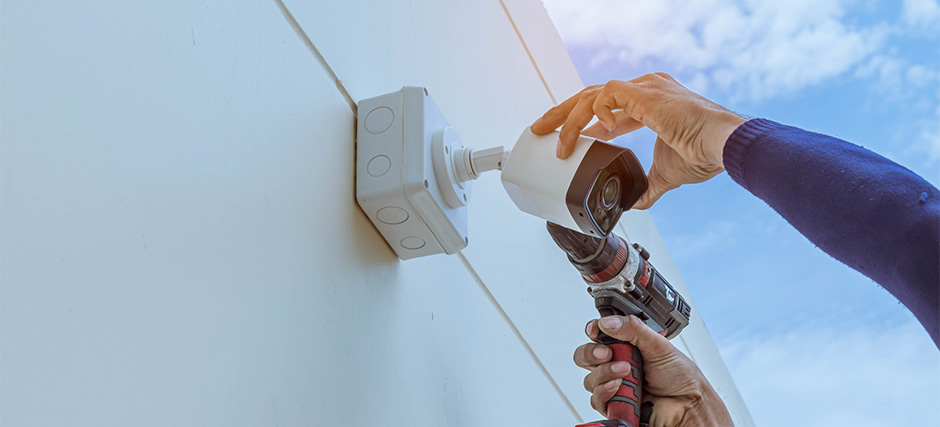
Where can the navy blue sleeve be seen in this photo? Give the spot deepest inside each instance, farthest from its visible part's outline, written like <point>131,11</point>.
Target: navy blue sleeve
<point>864,210</point>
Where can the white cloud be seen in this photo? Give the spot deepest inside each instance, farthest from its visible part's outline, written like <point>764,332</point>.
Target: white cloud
<point>753,49</point>
<point>915,87</point>
<point>824,377</point>
<point>925,143</point>
<point>898,81</point>
<point>921,13</point>
<point>756,50</point>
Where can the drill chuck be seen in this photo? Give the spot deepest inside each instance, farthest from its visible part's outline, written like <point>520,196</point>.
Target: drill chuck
<point>589,254</point>
<point>623,281</point>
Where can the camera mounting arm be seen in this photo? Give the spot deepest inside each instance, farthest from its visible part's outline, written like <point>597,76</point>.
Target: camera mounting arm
<point>456,165</point>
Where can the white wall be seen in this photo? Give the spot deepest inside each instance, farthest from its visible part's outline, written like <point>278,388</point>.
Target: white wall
<point>180,239</point>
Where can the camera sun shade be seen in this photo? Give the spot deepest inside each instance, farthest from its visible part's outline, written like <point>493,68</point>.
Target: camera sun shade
<point>586,192</point>
<point>608,182</point>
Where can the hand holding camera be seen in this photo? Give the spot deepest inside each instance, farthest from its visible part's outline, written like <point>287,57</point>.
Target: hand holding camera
<point>691,130</point>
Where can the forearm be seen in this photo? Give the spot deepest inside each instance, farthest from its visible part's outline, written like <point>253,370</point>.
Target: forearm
<point>863,209</point>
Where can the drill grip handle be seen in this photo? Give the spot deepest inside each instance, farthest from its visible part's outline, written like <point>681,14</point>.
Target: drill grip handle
<point>625,405</point>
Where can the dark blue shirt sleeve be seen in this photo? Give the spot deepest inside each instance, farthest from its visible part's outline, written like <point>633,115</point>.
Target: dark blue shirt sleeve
<point>864,210</point>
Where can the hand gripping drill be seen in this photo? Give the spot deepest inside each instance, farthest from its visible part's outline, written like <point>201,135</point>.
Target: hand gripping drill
<point>623,282</point>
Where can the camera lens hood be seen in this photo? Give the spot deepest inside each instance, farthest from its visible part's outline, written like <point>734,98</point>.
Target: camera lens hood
<point>591,208</point>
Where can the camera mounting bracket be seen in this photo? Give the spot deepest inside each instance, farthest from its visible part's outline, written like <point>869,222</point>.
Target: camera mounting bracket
<point>413,173</point>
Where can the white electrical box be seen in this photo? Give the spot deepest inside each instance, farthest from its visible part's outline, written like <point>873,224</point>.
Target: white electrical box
<point>417,203</point>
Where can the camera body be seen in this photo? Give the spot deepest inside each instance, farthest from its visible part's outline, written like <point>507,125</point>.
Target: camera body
<point>586,192</point>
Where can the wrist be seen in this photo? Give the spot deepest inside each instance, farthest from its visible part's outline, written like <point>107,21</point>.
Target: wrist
<point>723,124</point>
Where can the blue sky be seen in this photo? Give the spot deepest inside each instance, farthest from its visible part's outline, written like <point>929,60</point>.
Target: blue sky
<point>793,324</point>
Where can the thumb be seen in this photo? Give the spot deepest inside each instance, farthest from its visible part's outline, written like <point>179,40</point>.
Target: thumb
<point>633,330</point>
<point>657,187</point>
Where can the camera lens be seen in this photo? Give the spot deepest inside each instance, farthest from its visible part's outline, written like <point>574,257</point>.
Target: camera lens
<point>610,195</point>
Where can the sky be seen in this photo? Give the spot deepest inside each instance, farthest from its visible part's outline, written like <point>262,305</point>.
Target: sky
<point>798,330</point>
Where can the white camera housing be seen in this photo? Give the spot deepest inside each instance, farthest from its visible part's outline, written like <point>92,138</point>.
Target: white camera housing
<point>586,192</point>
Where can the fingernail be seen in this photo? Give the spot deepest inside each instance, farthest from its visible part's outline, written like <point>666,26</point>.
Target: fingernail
<point>611,323</point>
<point>620,367</point>
<point>612,385</point>
<point>589,329</point>
<point>558,151</point>
<point>610,127</point>
<point>600,352</point>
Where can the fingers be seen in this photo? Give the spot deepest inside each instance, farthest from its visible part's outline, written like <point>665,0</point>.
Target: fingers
<point>635,331</point>
<point>605,373</point>
<point>598,131</point>
<point>602,393</point>
<point>628,97</point>
<point>607,101</point>
<point>625,124</point>
<point>591,330</point>
<point>589,356</point>
<point>557,115</point>
<point>577,120</point>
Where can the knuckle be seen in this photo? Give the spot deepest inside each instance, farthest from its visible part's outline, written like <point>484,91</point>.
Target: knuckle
<point>602,393</point>
<point>599,404</point>
<point>589,96</point>
<point>585,96</point>
<point>632,322</point>
<point>604,374</point>
<point>602,99</point>
<point>613,84</point>
<point>588,383</point>
<point>569,132</point>
<point>591,329</point>
<point>608,373</point>
<point>594,405</point>
<point>593,379</point>
<point>580,355</point>
<point>588,355</point>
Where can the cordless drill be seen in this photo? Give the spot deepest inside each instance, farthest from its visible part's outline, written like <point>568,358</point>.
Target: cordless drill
<point>623,282</point>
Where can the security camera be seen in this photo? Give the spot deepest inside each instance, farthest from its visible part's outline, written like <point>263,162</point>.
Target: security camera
<point>586,192</point>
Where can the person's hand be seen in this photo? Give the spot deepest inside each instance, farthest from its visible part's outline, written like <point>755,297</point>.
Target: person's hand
<point>680,394</point>
<point>691,130</point>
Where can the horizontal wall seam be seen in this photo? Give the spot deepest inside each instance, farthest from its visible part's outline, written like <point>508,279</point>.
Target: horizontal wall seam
<point>289,17</point>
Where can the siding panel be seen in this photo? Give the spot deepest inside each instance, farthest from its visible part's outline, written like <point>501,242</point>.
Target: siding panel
<point>181,243</point>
